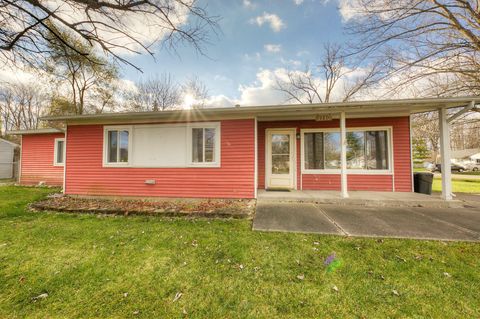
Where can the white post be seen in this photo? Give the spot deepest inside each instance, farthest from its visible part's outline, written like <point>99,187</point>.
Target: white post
<point>445,154</point>
<point>343,157</point>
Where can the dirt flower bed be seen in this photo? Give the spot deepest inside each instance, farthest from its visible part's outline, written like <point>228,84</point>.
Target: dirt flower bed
<point>224,208</point>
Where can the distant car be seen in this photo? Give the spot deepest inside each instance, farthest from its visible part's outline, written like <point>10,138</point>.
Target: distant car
<point>473,167</point>
<point>454,168</point>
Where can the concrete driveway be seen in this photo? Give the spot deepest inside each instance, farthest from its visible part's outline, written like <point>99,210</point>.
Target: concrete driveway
<point>418,223</point>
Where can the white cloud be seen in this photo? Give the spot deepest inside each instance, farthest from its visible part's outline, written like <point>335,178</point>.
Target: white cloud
<point>252,57</point>
<point>273,48</point>
<point>147,29</point>
<point>291,62</point>
<point>262,91</point>
<point>249,4</point>
<point>298,2</point>
<point>276,24</point>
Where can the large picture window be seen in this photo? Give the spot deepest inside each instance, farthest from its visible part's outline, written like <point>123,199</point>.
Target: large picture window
<point>322,150</point>
<point>162,145</point>
<point>367,150</point>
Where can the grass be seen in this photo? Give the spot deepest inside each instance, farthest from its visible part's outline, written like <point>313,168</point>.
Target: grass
<point>94,266</point>
<point>459,185</point>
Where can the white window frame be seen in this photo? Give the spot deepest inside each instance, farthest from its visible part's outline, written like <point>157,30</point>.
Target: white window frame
<point>217,148</point>
<point>388,171</point>
<point>107,129</point>
<point>55,151</point>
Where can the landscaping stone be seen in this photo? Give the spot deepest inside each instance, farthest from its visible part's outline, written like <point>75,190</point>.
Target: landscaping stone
<point>213,208</point>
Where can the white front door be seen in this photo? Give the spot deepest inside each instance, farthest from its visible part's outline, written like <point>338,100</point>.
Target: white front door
<point>280,159</point>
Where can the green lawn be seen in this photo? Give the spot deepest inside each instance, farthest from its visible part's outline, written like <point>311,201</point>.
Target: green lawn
<point>133,267</point>
<point>459,185</point>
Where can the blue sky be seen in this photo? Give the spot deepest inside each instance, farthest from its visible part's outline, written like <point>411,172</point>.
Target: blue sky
<point>293,30</point>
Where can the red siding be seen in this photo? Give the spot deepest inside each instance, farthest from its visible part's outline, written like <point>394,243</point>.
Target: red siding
<point>234,179</point>
<point>37,160</point>
<point>402,176</point>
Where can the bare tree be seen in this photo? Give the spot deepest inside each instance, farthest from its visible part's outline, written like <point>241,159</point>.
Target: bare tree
<point>156,94</point>
<point>194,92</point>
<point>25,26</point>
<point>21,104</point>
<point>438,40</point>
<point>90,79</point>
<point>332,79</point>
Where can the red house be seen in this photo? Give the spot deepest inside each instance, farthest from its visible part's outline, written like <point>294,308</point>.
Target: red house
<point>232,152</point>
<point>42,156</point>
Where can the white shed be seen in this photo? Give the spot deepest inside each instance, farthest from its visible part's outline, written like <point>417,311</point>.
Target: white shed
<point>7,151</point>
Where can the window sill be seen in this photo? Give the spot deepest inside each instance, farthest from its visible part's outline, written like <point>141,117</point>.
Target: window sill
<point>58,165</point>
<point>203,165</point>
<point>116,165</point>
<point>349,172</point>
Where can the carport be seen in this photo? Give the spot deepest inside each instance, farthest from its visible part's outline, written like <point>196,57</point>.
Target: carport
<point>270,122</point>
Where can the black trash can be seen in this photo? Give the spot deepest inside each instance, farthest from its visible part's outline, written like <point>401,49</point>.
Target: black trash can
<point>422,182</point>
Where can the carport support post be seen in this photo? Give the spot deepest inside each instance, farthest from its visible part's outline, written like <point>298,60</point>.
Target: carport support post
<point>445,154</point>
<point>343,156</point>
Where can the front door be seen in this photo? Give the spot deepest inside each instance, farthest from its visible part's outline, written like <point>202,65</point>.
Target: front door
<point>280,159</point>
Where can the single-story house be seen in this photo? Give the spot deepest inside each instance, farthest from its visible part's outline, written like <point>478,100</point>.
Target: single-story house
<point>466,157</point>
<point>42,156</point>
<point>7,154</point>
<point>233,152</point>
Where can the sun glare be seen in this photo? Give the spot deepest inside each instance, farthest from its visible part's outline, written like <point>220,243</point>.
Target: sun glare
<point>188,101</point>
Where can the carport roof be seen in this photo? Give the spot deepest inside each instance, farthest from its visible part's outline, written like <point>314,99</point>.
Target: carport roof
<point>354,109</point>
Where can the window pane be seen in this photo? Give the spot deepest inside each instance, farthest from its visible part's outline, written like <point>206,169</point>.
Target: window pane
<point>123,146</point>
<point>281,164</point>
<point>209,145</point>
<point>377,150</point>
<point>356,150</point>
<point>60,152</point>
<point>112,146</point>
<point>314,151</point>
<point>280,144</point>
<point>332,150</point>
<point>197,145</point>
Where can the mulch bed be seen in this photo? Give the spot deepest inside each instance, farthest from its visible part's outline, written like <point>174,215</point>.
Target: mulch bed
<point>212,208</point>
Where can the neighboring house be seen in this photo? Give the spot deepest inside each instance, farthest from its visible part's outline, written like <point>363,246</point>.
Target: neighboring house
<point>466,157</point>
<point>7,155</point>
<point>232,152</point>
<point>42,156</point>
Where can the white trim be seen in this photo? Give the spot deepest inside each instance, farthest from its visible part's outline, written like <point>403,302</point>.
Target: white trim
<point>343,156</point>
<point>55,151</point>
<point>293,153</point>
<point>217,148</point>
<point>255,181</point>
<point>106,129</point>
<point>389,171</point>
<point>445,154</point>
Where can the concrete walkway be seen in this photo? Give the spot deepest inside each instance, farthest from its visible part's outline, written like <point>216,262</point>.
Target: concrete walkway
<point>363,198</point>
<point>396,222</point>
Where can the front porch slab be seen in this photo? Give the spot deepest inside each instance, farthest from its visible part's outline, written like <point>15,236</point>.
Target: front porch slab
<point>361,198</point>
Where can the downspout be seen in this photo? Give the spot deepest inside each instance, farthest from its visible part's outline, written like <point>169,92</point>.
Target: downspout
<point>65,159</point>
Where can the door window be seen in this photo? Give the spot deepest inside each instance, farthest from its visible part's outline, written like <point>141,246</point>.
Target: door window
<point>280,153</point>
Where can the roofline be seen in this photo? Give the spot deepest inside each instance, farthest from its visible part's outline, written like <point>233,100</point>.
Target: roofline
<point>416,105</point>
<point>11,143</point>
<point>49,130</point>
